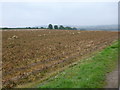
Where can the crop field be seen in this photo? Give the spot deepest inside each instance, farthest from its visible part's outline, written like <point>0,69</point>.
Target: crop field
<point>29,55</point>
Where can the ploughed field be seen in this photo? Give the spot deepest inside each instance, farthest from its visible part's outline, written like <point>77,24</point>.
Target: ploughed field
<point>29,55</point>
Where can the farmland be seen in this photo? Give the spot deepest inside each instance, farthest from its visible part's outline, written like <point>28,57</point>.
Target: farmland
<point>29,55</point>
<point>90,72</point>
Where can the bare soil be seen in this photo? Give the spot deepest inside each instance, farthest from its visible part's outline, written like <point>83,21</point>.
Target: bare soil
<point>31,55</point>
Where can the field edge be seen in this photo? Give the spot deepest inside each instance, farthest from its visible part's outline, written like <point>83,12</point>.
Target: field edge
<point>52,75</point>
<point>112,64</point>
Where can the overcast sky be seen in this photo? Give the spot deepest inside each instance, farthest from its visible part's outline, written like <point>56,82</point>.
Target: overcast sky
<point>66,13</point>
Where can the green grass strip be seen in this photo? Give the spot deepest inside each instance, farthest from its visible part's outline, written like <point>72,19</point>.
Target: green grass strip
<point>89,73</point>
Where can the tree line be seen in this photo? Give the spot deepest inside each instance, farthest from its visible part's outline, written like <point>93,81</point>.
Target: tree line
<point>50,26</point>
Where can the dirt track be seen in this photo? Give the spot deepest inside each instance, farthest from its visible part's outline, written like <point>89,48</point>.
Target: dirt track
<point>112,79</point>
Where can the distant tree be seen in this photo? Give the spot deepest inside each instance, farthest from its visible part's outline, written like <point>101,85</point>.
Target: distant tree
<point>42,28</point>
<point>55,27</point>
<point>74,28</point>
<point>50,26</point>
<point>5,28</point>
<point>68,28</point>
<point>28,27</point>
<point>61,27</point>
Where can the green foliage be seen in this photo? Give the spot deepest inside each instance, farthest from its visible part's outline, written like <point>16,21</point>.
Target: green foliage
<point>61,27</point>
<point>90,73</point>
<point>5,28</point>
<point>74,28</point>
<point>42,28</point>
<point>28,27</point>
<point>50,26</point>
<point>55,27</point>
<point>67,28</point>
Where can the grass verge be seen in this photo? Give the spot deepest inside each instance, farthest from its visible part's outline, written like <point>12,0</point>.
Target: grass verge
<point>89,73</point>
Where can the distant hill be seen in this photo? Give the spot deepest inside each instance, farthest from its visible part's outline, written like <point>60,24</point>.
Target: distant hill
<point>99,27</point>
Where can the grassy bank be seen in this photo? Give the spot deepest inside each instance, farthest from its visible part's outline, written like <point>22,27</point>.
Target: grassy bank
<point>89,73</point>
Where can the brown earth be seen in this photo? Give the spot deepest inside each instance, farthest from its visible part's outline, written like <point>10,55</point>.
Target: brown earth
<point>30,55</point>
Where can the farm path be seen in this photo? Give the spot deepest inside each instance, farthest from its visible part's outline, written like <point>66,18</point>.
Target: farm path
<point>112,79</point>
